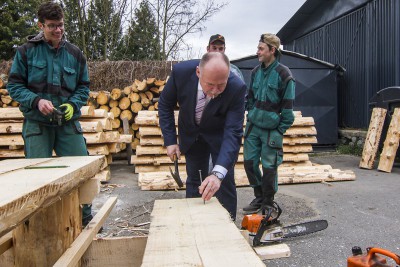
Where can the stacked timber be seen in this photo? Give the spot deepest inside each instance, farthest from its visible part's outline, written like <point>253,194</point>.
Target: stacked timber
<point>97,129</point>
<point>152,164</point>
<point>5,98</point>
<point>127,102</point>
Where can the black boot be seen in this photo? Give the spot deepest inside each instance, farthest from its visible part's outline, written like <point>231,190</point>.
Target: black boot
<point>255,204</point>
<point>268,189</point>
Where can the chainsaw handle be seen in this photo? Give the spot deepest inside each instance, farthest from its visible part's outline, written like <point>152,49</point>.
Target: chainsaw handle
<point>373,251</point>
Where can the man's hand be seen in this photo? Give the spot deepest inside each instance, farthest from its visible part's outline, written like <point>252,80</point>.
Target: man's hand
<point>68,111</point>
<point>45,107</point>
<point>173,150</point>
<point>209,187</point>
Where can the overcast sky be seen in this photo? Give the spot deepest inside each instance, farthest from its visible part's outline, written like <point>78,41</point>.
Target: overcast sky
<point>242,22</point>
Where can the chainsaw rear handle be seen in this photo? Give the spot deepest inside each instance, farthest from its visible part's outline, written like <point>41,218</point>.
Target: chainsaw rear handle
<point>387,253</point>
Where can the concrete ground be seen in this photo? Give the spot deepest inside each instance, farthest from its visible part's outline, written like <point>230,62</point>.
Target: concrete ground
<point>364,212</point>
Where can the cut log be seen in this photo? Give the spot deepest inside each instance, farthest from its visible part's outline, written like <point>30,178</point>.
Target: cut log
<point>149,95</point>
<point>127,90</point>
<point>150,81</point>
<point>141,85</point>
<point>134,97</point>
<point>145,102</point>
<point>116,123</point>
<point>135,143</point>
<point>116,111</point>
<point>105,107</point>
<point>103,97</point>
<point>98,149</point>
<point>124,103</point>
<point>136,107</point>
<point>113,103</point>
<point>154,90</point>
<point>6,99</point>
<point>159,83</point>
<point>116,94</point>
<point>126,114</point>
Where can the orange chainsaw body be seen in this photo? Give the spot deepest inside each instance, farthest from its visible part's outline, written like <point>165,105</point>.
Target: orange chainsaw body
<point>371,259</point>
<point>252,222</point>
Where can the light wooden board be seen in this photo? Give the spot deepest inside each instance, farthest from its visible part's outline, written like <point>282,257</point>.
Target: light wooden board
<point>184,232</point>
<point>117,251</point>
<point>164,180</point>
<point>373,138</point>
<point>391,143</point>
<point>74,253</point>
<point>24,191</point>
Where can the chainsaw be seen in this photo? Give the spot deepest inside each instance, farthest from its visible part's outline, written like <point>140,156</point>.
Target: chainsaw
<point>265,228</point>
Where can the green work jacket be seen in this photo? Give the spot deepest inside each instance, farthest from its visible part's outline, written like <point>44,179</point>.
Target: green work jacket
<point>40,71</point>
<point>270,98</point>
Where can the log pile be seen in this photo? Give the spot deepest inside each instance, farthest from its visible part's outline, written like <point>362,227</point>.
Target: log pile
<point>5,98</point>
<point>97,129</point>
<point>127,102</point>
<point>152,163</point>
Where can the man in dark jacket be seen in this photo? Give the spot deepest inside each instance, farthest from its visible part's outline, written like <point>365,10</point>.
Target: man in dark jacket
<point>211,113</point>
<point>49,77</point>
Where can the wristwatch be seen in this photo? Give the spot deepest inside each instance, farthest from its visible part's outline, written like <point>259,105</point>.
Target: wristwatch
<point>219,175</point>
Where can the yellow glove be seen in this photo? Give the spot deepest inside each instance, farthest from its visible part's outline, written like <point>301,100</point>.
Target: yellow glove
<point>68,111</point>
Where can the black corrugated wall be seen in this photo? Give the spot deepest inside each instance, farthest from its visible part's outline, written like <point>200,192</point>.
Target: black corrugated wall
<point>366,43</point>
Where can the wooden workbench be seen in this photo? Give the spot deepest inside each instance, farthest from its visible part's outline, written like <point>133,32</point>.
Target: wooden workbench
<point>42,206</point>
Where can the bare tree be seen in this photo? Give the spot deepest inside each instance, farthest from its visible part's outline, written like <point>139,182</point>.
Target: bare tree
<point>178,18</point>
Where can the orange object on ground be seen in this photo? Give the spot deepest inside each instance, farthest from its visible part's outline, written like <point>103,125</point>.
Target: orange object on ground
<point>371,258</point>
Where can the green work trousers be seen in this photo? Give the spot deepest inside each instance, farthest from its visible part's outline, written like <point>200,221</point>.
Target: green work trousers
<point>66,140</point>
<point>265,146</point>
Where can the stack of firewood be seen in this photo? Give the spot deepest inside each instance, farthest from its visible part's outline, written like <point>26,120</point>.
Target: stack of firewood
<point>96,126</point>
<point>152,163</point>
<point>125,103</point>
<point>5,99</point>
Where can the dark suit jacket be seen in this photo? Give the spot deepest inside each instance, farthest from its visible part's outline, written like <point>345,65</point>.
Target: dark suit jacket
<point>221,125</point>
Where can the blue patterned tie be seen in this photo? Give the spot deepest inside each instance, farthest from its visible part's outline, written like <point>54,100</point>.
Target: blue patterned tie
<point>201,103</point>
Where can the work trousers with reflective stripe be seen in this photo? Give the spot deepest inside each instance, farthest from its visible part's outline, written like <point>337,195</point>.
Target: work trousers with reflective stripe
<point>265,146</point>
<point>66,140</point>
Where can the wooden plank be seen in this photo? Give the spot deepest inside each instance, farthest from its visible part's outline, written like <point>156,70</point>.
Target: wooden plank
<point>18,164</point>
<point>287,140</point>
<point>24,191</point>
<point>91,126</point>
<point>291,175</point>
<point>273,251</point>
<point>104,175</point>
<point>203,236</point>
<point>391,143</point>
<point>158,160</point>
<point>10,127</point>
<point>73,254</point>
<point>373,138</point>
<point>7,153</point>
<point>6,242</point>
<point>98,113</point>
<point>11,114</point>
<point>98,149</point>
<point>11,139</point>
<point>116,251</point>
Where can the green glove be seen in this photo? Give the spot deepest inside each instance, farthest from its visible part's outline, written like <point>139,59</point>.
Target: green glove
<point>68,111</point>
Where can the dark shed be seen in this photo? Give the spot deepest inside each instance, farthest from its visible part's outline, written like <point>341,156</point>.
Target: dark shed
<point>363,36</point>
<point>316,90</point>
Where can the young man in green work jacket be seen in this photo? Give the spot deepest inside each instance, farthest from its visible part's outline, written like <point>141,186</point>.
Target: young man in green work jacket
<point>50,75</point>
<point>270,114</point>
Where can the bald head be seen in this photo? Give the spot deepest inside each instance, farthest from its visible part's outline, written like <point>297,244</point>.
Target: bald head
<point>213,73</point>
